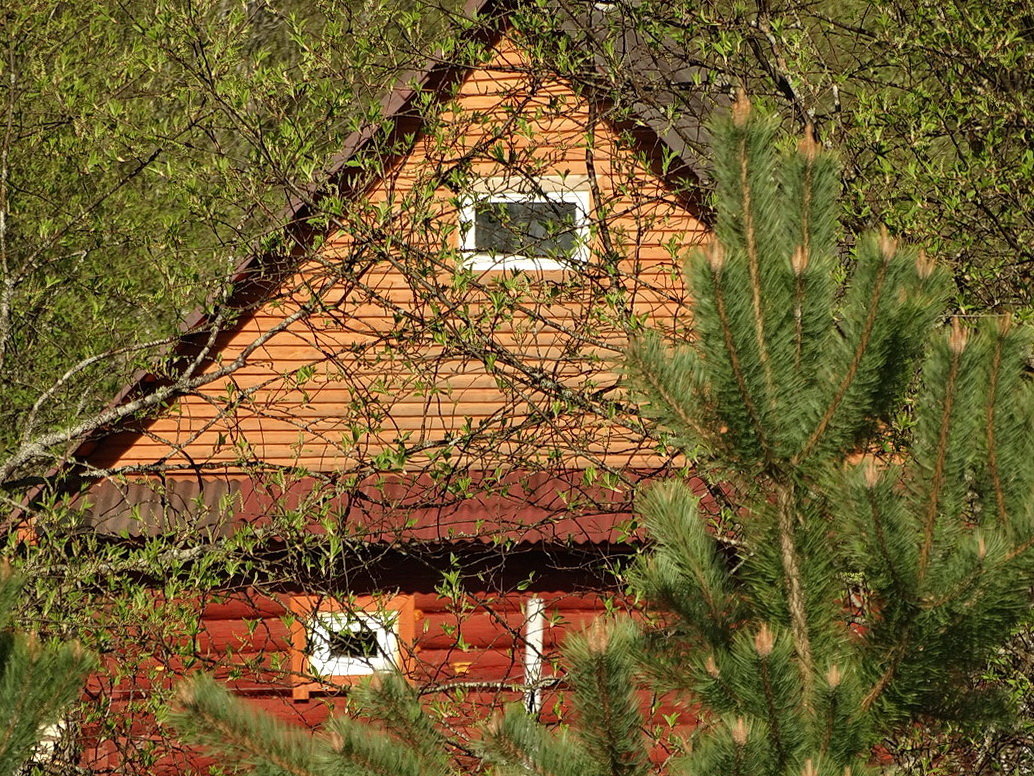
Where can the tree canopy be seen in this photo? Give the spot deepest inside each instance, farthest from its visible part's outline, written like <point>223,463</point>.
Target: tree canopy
<point>146,150</point>
<point>149,148</point>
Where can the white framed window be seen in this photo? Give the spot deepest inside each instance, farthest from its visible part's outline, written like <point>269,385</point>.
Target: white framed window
<point>352,643</point>
<point>547,228</point>
<point>337,642</point>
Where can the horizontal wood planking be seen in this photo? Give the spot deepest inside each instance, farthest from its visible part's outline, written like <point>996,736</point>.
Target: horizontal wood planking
<point>487,672</point>
<point>286,424</point>
<point>479,638</point>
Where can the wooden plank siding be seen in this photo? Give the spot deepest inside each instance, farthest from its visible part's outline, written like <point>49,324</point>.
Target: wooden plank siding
<point>467,657</point>
<point>400,350</point>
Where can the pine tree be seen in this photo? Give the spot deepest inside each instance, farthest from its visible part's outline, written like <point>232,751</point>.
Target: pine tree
<point>883,535</point>
<point>37,683</point>
<point>873,576</point>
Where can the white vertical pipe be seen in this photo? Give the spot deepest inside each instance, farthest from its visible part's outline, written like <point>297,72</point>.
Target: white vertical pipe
<point>534,630</point>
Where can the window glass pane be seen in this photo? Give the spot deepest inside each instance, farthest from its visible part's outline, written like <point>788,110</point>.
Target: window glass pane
<point>355,639</point>
<point>536,229</point>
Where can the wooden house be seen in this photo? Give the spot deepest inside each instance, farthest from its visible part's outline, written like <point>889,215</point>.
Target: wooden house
<point>425,440</point>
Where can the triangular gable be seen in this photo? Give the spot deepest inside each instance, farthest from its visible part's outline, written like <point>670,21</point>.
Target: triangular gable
<point>403,363</point>
<point>350,382</point>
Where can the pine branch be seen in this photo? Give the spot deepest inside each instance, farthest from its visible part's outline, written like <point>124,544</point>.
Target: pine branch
<point>716,261</point>
<point>856,360</point>
<point>38,680</point>
<point>393,703</point>
<point>880,530</point>
<point>640,363</point>
<point>885,678</point>
<point>774,712</point>
<point>209,715</point>
<point>686,570</point>
<point>740,117</point>
<point>990,422</point>
<point>802,255</point>
<point>371,751</point>
<point>518,743</point>
<point>795,592</point>
<point>799,262</point>
<point>1020,550</point>
<point>956,344</point>
<point>604,697</point>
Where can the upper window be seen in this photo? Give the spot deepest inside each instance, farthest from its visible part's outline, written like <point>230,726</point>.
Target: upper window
<point>525,230</point>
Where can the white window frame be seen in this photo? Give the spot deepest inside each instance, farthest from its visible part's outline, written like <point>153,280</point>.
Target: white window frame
<point>384,625</point>
<point>474,260</point>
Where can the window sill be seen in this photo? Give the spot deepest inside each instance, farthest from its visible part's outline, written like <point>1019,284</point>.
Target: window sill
<point>483,262</point>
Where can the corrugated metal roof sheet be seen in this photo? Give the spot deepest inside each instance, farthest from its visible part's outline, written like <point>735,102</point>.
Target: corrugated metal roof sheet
<point>536,508</point>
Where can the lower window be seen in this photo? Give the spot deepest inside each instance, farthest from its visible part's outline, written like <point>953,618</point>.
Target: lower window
<point>337,642</point>
<point>352,643</point>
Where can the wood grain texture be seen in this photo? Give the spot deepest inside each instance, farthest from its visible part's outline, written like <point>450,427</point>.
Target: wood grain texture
<point>400,350</point>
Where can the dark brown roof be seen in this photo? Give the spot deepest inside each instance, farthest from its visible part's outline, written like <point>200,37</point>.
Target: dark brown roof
<point>658,80</point>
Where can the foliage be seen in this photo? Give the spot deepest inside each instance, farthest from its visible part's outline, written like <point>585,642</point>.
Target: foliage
<point>148,149</point>
<point>931,545</point>
<point>38,682</point>
<point>1007,747</point>
<point>927,102</point>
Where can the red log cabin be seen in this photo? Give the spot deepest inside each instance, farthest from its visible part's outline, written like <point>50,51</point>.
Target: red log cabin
<point>426,441</point>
